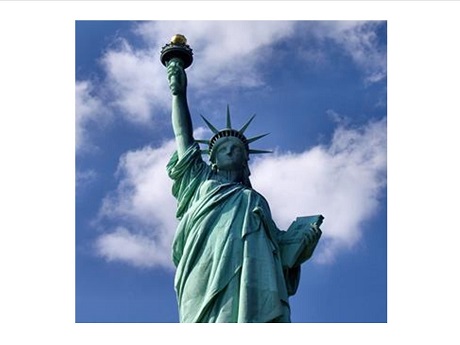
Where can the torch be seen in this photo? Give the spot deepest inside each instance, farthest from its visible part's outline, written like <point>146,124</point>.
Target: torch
<point>178,50</point>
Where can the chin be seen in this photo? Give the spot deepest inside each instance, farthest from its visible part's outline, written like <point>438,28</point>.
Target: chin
<point>226,168</point>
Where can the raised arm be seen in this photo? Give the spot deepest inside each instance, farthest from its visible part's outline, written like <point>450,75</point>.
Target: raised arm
<point>181,119</point>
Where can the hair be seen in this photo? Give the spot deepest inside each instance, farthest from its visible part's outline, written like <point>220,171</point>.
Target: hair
<point>246,173</point>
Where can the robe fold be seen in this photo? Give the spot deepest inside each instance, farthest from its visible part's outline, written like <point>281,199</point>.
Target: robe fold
<point>227,250</point>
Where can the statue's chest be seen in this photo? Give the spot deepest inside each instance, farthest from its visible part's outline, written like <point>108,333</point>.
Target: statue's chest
<point>207,187</point>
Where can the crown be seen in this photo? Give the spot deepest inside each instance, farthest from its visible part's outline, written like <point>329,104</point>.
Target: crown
<point>228,131</point>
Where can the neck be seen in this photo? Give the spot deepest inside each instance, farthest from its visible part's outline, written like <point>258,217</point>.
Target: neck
<point>231,175</point>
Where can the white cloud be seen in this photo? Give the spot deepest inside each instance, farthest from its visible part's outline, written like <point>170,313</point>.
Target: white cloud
<point>137,82</point>
<point>231,54</point>
<point>343,181</point>
<point>83,178</point>
<point>143,180</point>
<point>137,250</point>
<point>89,110</point>
<point>144,205</point>
<point>359,40</point>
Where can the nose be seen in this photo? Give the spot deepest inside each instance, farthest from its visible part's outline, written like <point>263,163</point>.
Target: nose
<point>227,150</point>
<point>230,150</point>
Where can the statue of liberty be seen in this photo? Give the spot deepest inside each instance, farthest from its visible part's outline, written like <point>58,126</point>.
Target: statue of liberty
<point>232,262</point>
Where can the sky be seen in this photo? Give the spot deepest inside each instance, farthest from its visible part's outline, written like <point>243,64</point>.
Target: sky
<point>318,87</point>
<point>72,242</point>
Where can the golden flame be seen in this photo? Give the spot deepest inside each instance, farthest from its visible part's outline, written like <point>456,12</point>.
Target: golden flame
<point>178,39</point>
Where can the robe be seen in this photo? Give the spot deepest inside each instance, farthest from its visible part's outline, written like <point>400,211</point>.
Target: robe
<point>227,250</point>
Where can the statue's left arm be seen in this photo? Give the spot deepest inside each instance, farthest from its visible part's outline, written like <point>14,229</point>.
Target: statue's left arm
<point>298,243</point>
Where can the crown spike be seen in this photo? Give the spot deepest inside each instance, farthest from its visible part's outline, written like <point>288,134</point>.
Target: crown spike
<point>229,120</point>
<point>250,140</point>
<point>202,141</point>
<point>247,124</point>
<point>210,126</point>
<point>231,132</point>
<point>243,129</point>
<point>251,151</point>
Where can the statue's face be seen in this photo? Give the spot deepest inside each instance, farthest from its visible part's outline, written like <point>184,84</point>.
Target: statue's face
<point>230,154</point>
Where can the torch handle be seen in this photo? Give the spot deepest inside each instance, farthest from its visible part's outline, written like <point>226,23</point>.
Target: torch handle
<point>176,75</point>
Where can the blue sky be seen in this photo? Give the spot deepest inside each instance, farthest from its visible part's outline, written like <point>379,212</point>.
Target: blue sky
<point>46,196</point>
<point>318,87</point>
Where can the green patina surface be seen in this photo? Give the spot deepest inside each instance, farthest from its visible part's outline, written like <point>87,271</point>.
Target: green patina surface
<point>233,263</point>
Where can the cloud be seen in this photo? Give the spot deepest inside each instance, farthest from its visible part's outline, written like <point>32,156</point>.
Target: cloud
<point>84,178</point>
<point>134,84</point>
<point>142,209</point>
<point>231,54</point>
<point>143,178</point>
<point>359,40</point>
<point>344,181</point>
<point>136,81</point>
<point>89,110</point>
<point>132,248</point>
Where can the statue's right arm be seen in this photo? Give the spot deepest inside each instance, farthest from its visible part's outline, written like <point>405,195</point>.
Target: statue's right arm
<point>181,119</point>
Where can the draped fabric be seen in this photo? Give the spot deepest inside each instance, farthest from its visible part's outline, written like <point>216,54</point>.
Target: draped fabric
<point>227,249</point>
